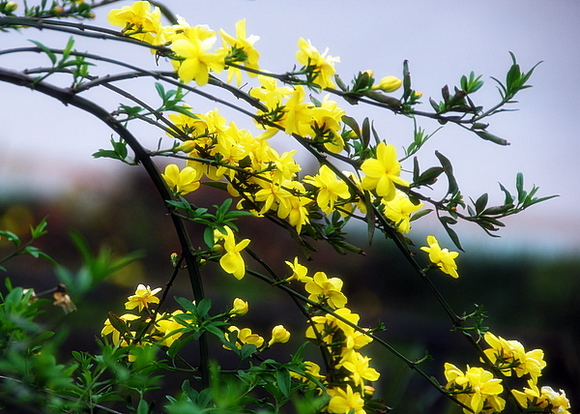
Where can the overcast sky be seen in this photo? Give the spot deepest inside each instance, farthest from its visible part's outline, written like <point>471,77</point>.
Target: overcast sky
<point>442,41</point>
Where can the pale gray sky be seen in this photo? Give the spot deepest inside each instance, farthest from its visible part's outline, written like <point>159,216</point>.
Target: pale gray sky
<point>46,147</point>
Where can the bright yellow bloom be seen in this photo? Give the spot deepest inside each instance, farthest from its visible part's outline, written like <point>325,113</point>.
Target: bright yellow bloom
<point>330,188</point>
<point>443,258</point>
<point>142,298</point>
<point>389,84</point>
<point>310,368</point>
<point>399,211</point>
<point>232,261</point>
<point>245,336</point>
<point>475,388</point>
<point>327,325</point>
<point>240,307</point>
<point>245,45</point>
<point>326,123</point>
<point>546,398</point>
<point>358,365</point>
<point>343,401</point>
<point>170,328</point>
<point>181,182</point>
<point>324,289</point>
<point>382,173</point>
<point>323,65</point>
<point>139,22</point>
<point>298,114</point>
<point>508,355</point>
<point>196,61</point>
<point>279,335</point>
<point>109,329</point>
<point>299,272</point>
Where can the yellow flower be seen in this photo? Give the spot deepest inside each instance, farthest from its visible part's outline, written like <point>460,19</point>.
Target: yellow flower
<point>299,272</point>
<point>240,307</point>
<point>170,328</point>
<point>330,188</point>
<point>279,335</point>
<point>142,298</point>
<point>139,22</point>
<point>546,399</point>
<point>343,401</point>
<point>109,329</point>
<point>245,46</point>
<point>195,59</point>
<point>382,173</point>
<point>326,124</point>
<point>508,355</point>
<point>443,258</point>
<point>232,261</point>
<point>475,388</point>
<point>181,182</point>
<point>389,84</point>
<point>309,56</point>
<point>245,336</point>
<point>322,288</point>
<point>399,211</point>
<point>358,365</point>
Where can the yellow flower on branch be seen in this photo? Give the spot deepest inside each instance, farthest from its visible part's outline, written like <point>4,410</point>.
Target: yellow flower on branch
<point>511,355</point>
<point>475,388</point>
<point>399,211</point>
<point>389,84</point>
<point>245,336</point>
<point>330,188</point>
<point>194,58</point>
<point>170,328</point>
<point>358,365</point>
<point>243,51</point>
<point>181,182</point>
<point>232,261</point>
<point>382,173</point>
<point>443,258</point>
<point>345,401</point>
<point>139,22</point>
<point>240,307</point>
<point>142,298</point>
<point>546,399</point>
<point>325,289</point>
<point>279,335</point>
<point>323,65</point>
<point>108,327</point>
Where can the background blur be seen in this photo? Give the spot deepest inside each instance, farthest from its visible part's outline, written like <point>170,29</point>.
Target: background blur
<point>528,279</point>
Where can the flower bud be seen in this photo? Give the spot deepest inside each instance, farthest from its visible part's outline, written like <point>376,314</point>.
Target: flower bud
<point>389,84</point>
<point>417,95</point>
<point>240,308</point>
<point>279,334</point>
<point>10,7</point>
<point>187,146</point>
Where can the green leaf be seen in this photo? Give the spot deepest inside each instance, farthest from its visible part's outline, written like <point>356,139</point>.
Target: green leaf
<point>68,48</point>
<point>481,203</point>
<point>46,50</point>
<point>186,304</point>
<point>11,237</point>
<point>446,164</point>
<point>283,381</point>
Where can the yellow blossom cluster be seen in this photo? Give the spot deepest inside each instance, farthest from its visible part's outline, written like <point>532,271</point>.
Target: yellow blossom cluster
<point>351,370</point>
<point>477,388</point>
<point>139,330</point>
<point>133,329</point>
<point>510,356</point>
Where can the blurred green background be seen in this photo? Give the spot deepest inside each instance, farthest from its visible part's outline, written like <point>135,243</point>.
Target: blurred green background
<point>529,296</point>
